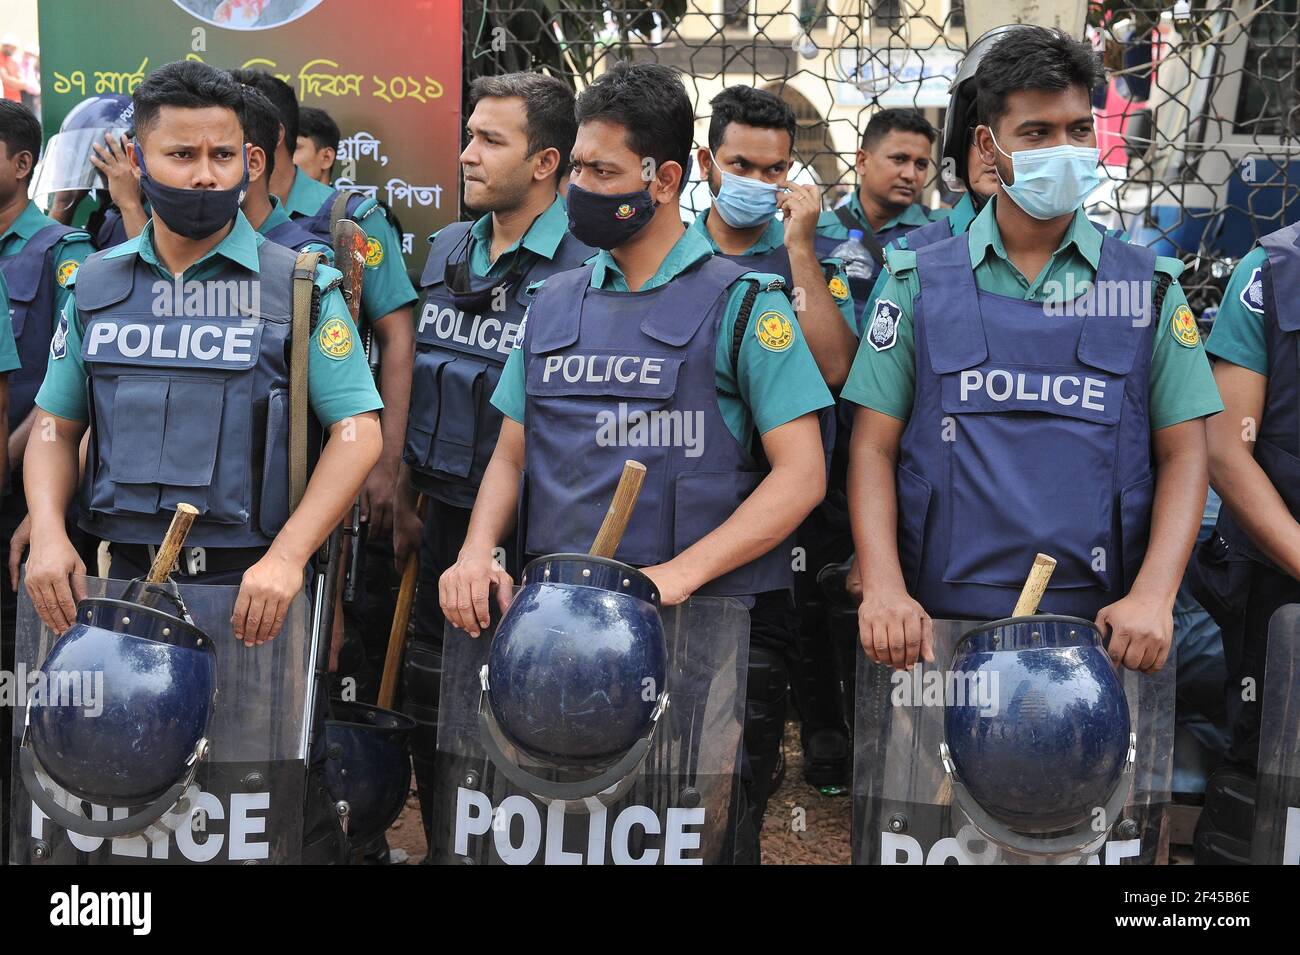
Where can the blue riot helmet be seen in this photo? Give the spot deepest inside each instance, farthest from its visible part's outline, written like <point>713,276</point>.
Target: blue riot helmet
<point>962,93</point>
<point>1038,747</point>
<point>367,766</point>
<point>65,163</point>
<point>139,742</point>
<point>575,681</point>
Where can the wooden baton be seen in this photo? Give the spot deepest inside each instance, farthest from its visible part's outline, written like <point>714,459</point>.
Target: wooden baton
<point>620,510</point>
<point>1035,586</point>
<point>170,548</point>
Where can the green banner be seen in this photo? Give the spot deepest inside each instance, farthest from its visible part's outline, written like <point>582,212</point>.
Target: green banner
<point>389,74</point>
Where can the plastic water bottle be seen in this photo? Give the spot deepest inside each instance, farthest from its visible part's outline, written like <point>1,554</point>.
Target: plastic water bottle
<point>858,263</point>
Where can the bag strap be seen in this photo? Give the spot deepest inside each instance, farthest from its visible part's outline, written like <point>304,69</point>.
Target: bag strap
<point>306,301</point>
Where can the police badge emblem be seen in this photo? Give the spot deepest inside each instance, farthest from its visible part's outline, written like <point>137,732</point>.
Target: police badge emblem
<point>59,343</point>
<point>374,252</point>
<point>883,333</point>
<point>1252,296</point>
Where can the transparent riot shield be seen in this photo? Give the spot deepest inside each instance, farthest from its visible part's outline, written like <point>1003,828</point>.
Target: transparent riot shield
<point>1277,803</point>
<point>245,804</point>
<point>904,812</point>
<point>678,810</point>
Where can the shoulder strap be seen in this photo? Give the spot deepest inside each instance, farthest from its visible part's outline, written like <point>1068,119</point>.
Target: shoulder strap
<point>305,302</point>
<point>738,333</point>
<point>869,240</point>
<point>1158,299</point>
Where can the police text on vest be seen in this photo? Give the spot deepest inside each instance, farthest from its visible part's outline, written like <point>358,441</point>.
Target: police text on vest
<point>1062,390</point>
<point>451,325</point>
<point>226,343</point>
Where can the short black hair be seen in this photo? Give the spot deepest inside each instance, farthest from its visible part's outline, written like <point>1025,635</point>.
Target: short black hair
<point>20,130</point>
<point>261,125</point>
<point>749,107</point>
<point>548,109</point>
<point>281,95</point>
<point>649,101</point>
<point>319,127</point>
<point>1034,58</point>
<point>188,84</point>
<point>904,120</point>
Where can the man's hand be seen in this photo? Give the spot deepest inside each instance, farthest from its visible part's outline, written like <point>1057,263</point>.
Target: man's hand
<point>853,580</point>
<point>801,207</point>
<point>895,629</point>
<point>265,593</point>
<point>377,498</point>
<point>17,547</point>
<point>674,586</point>
<point>1141,631</point>
<point>53,580</point>
<point>408,531</point>
<point>111,159</point>
<point>464,588</point>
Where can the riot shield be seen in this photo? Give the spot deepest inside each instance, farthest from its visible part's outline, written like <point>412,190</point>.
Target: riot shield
<point>678,809</point>
<point>245,803</point>
<point>1277,806</point>
<point>904,811</point>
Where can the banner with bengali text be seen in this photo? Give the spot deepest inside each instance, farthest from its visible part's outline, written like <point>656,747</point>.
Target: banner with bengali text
<point>389,73</point>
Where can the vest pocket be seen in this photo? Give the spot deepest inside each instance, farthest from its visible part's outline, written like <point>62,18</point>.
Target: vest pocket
<point>448,397</point>
<point>273,507</point>
<point>1019,485</point>
<point>1135,526</point>
<point>165,435</point>
<point>914,494</point>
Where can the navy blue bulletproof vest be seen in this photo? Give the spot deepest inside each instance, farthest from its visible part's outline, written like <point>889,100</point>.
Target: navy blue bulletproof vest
<point>187,408</point>
<point>1277,446</point>
<point>616,375</point>
<point>1029,432</point>
<point>453,425</point>
<point>319,222</point>
<point>292,235</point>
<point>30,277</point>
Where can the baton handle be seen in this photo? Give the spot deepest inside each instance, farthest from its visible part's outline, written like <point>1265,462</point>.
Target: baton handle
<point>620,510</point>
<point>1035,586</point>
<point>401,617</point>
<point>165,559</point>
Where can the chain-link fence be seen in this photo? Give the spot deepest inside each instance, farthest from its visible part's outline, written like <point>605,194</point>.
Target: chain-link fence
<point>1198,123</point>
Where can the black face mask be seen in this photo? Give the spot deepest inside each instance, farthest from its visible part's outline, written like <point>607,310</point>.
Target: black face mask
<point>460,281</point>
<point>193,213</point>
<point>606,222</point>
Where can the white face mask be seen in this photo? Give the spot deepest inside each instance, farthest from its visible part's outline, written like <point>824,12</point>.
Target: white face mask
<point>1050,183</point>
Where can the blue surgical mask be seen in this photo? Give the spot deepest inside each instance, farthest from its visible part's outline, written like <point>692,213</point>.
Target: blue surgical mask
<point>743,202</point>
<point>1053,182</point>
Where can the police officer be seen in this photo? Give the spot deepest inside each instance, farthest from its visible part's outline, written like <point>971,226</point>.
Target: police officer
<point>475,288</point>
<point>386,296</point>
<point>318,143</point>
<point>1005,410</point>
<point>892,167</point>
<point>264,211</point>
<point>174,394</point>
<point>1250,566</point>
<point>652,324</point>
<point>768,224</point>
<point>38,258</point>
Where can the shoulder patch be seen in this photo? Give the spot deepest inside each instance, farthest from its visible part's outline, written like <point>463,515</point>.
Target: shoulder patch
<point>335,339</point>
<point>838,288</point>
<point>774,330</point>
<point>1183,326</point>
<point>374,252</point>
<point>1252,296</point>
<point>59,343</point>
<point>65,272</point>
<point>883,331</point>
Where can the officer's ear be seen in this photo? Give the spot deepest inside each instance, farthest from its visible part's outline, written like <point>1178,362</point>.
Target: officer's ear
<point>256,162</point>
<point>548,161</point>
<point>666,184</point>
<point>705,159</point>
<point>984,145</point>
<point>860,162</point>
